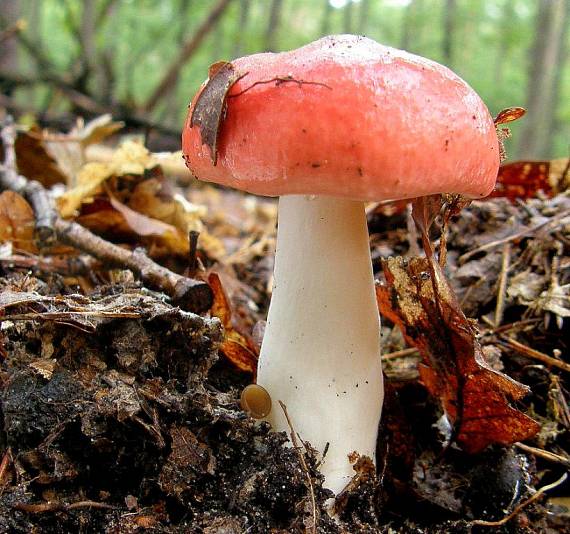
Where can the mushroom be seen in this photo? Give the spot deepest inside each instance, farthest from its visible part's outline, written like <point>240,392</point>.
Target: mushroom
<point>327,127</point>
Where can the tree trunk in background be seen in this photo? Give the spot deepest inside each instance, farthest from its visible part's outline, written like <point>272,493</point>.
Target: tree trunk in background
<point>347,22</point>
<point>363,17</point>
<point>90,80</point>
<point>9,13</point>
<point>411,32</point>
<point>449,16</point>
<point>273,25</point>
<point>170,78</point>
<point>243,19</point>
<point>326,21</point>
<point>559,125</point>
<point>543,84</point>
<point>172,108</point>
<point>503,31</point>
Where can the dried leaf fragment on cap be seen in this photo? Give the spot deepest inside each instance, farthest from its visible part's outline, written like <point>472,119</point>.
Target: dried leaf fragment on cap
<point>210,107</point>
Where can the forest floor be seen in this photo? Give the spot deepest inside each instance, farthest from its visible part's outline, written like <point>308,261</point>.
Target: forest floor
<point>120,391</point>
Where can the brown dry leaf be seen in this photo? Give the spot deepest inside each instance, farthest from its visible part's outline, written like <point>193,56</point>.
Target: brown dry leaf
<point>210,106</point>
<point>509,115</point>
<point>173,239</point>
<point>156,198</point>
<point>236,347</point>
<point>130,158</point>
<point>54,158</point>
<point>523,179</point>
<point>34,161</point>
<point>475,397</point>
<point>188,451</point>
<point>148,204</point>
<point>17,222</point>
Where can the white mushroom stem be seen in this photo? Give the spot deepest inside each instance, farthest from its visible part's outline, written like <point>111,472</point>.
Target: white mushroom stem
<point>321,348</point>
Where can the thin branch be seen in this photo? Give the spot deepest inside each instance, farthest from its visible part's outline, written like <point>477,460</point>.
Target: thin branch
<point>297,448</point>
<point>12,30</point>
<point>502,289</point>
<point>524,504</point>
<point>535,354</point>
<point>545,455</point>
<point>84,103</point>
<point>412,351</point>
<point>553,223</point>
<point>168,81</point>
<point>61,507</point>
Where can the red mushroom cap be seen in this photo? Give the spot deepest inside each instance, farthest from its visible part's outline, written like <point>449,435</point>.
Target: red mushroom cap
<point>360,120</point>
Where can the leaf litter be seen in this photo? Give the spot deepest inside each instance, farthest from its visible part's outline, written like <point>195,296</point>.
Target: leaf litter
<point>121,411</point>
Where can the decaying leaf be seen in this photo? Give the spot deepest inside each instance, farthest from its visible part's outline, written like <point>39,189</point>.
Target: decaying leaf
<point>524,179</point>
<point>54,158</point>
<point>188,451</point>
<point>237,347</point>
<point>17,222</point>
<point>505,116</point>
<point>509,115</point>
<point>475,397</point>
<point>210,107</point>
<point>419,300</point>
<point>129,196</point>
<point>130,158</point>
<point>34,160</point>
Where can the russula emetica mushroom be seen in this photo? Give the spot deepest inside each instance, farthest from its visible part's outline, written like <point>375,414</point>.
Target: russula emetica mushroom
<point>326,127</point>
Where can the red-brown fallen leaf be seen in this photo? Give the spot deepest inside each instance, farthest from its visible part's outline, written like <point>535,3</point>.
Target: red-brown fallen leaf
<point>418,299</point>
<point>34,161</point>
<point>475,397</point>
<point>524,179</point>
<point>237,347</point>
<point>17,222</point>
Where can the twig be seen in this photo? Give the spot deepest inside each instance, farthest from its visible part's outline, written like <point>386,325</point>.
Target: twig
<point>83,102</point>
<point>545,455</point>
<point>555,221</point>
<point>412,351</point>
<point>535,354</point>
<point>73,266</point>
<point>279,80</point>
<point>61,507</point>
<point>69,315</point>
<point>6,460</point>
<point>516,326</point>
<point>169,79</point>
<point>524,504</point>
<point>297,448</point>
<point>193,236</point>
<point>12,30</point>
<point>502,289</point>
<point>187,293</point>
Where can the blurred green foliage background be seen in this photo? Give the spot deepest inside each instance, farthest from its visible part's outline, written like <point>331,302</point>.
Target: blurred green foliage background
<point>513,52</point>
